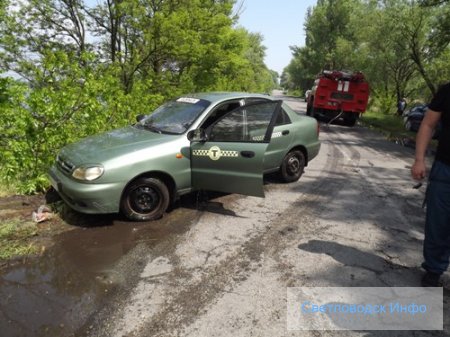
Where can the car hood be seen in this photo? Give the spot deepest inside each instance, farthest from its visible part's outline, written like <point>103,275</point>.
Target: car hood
<point>112,144</point>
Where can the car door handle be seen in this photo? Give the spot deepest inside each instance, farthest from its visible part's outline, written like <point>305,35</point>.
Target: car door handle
<point>247,154</point>
<point>285,132</point>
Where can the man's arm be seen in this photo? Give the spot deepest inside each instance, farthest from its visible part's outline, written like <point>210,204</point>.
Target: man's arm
<point>424,135</point>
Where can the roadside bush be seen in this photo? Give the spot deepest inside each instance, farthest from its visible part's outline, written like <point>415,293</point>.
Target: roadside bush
<point>66,103</point>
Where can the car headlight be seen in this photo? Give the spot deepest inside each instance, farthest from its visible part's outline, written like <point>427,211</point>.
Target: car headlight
<point>88,173</point>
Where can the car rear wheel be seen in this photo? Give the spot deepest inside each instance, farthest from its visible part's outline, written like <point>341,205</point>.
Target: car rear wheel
<point>293,166</point>
<point>145,199</point>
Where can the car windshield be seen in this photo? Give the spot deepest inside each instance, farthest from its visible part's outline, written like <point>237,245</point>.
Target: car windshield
<point>174,117</point>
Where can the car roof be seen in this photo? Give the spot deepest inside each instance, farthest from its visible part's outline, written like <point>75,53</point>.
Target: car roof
<point>222,96</point>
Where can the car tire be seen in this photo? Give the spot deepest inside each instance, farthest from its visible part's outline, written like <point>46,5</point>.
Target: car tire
<point>293,166</point>
<point>145,199</point>
<point>350,121</point>
<point>350,118</point>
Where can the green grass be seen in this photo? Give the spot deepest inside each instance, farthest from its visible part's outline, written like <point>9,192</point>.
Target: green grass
<point>15,239</point>
<point>391,125</point>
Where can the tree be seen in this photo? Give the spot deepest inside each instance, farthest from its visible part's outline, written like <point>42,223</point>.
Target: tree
<point>400,45</point>
<point>414,37</point>
<point>381,55</point>
<point>328,22</point>
<point>329,35</point>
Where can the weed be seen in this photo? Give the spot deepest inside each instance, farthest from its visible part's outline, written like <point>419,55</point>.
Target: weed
<point>15,239</point>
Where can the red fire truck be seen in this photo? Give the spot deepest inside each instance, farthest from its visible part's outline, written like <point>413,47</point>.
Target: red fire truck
<point>338,94</point>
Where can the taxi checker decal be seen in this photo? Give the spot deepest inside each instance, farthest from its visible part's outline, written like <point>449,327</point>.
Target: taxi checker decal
<point>274,135</point>
<point>215,153</point>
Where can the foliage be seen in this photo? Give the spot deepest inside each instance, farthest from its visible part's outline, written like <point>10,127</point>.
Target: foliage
<point>401,46</point>
<point>71,70</point>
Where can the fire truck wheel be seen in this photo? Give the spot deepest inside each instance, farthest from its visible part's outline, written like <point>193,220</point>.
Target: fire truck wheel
<point>350,119</point>
<point>293,166</point>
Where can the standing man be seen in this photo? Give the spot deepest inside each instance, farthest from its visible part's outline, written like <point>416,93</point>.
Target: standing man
<point>436,247</point>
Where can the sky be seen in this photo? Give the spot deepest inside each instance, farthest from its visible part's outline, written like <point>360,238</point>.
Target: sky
<point>280,22</point>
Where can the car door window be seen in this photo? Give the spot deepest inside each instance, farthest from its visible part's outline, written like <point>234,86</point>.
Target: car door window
<point>220,111</point>
<point>246,124</point>
<point>282,118</point>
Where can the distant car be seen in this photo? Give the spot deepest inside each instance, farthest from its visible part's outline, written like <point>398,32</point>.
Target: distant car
<point>215,141</point>
<point>413,117</point>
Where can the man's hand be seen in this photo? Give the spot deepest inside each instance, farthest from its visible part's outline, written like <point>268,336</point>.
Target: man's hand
<point>418,170</point>
<point>426,130</point>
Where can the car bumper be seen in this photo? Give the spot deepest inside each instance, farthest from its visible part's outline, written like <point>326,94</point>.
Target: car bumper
<point>87,197</point>
<point>313,150</point>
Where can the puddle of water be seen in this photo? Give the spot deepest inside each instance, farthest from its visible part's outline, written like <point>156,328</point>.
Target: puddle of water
<point>54,295</point>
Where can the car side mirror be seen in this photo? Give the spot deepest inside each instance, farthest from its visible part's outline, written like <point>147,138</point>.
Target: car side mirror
<point>197,135</point>
<point>139,118</point>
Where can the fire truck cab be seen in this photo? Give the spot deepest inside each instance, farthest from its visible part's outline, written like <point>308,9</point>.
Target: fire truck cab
<point>338,94</point>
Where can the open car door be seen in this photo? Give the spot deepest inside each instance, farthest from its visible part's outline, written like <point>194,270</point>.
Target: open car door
<point>228,156</point>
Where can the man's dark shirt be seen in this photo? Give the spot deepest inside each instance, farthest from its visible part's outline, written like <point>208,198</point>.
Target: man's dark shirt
<point>441,103</point>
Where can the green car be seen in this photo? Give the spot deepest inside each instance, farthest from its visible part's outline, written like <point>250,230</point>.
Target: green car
<point>211,141</point>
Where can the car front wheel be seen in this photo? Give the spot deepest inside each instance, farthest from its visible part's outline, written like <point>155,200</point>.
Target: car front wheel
<point>145,199</point>
<point>293,166</point>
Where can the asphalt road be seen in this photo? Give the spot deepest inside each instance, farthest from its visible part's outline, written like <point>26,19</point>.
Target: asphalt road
<point>221,266</point>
